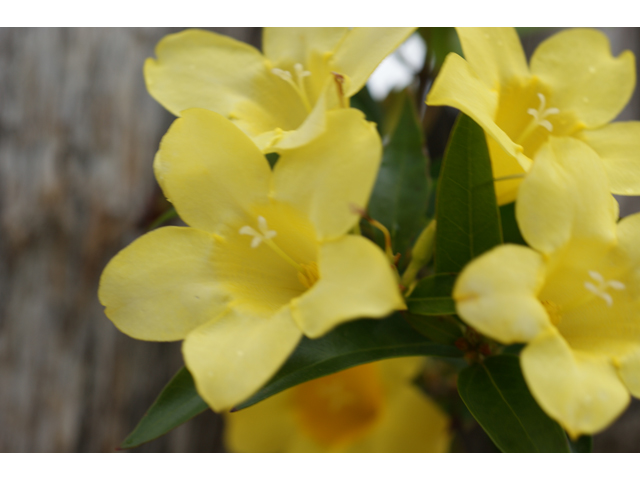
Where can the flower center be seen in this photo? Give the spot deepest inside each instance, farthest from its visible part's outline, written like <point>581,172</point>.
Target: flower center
<point>539,119</point>
<point>308,273</point>
<point>553,310</point>
<point>297,83</point>
<point>341,407</point>
<point>600,286</point>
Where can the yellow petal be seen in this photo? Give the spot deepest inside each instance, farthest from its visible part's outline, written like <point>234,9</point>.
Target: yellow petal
<point>565,196</point>
<point>314,125</point>
<point>496,294</point>
<point>285,47</point>
<point>401,370</point>
<point>324,178</point>
<point>600,320</point>
<point>210,170</point>
<point>582,392</point>
<point>507,171</point>
<point>458,85</point>
<point>356,281</point>
<point>395,415</point>
<point>266,427</point>
<point>200,69</point>
<point>612,328</point>
<point>259,278</point>
<point>411,423</point>
<point>583,76</point>
<point>495,54</point>
<point>232,357</point>
<point>362,50</point>
<point>162,286</point>
<point>629,370</point>
<point>618,146</point>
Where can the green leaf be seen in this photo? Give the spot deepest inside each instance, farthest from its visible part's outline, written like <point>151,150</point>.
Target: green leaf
<point>497,396</point>
<point>466,211</point>
<point>400,195</point>
<point>165,217</point>
<point>526,31</point>
<point>510,229</point>
<point>272,158</point>
<point>441,41</point>
<point>364,102</point>
<point>178,402</point>
<point>432,295</point>
<point>583,444</point>
<point>349,345</point>
<point>439,329</point>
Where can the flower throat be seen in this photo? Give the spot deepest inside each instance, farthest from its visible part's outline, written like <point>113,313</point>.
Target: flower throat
<point>308,273</point>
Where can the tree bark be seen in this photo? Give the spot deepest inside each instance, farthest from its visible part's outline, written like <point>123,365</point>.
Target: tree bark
<point>78,133</point>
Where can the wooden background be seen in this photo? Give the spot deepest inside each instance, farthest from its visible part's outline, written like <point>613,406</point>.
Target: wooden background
<point>78,133</point>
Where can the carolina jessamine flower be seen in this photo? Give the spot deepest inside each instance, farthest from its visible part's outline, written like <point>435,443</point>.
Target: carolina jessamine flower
<point>371,408</point>
<point>574,297</point>
<point>572,87</point>
<point>276,98</point>
<point>266,259</point>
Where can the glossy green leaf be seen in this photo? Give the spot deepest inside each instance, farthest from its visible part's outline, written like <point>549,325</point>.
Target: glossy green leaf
<point>440,42</point>
<point>432,295</point>
<point>527,31</point>
<point>272,158</point>
<point>364,102</point>
<point>510,230</point>
<point>466,211</point>
<point>349,345</point>
<point>399,198</point>
<point>439,329</point>
<point>178,402</point>
<point>497,396</point>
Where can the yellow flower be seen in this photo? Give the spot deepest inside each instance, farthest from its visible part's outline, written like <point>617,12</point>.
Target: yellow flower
<point>574,298</point>
<point>573,87</point>
<point>371,408</point>
<point>279,97</point>
<point>266,258</point>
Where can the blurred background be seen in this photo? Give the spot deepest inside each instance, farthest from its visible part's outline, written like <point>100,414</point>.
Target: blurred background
<point>78,133</point>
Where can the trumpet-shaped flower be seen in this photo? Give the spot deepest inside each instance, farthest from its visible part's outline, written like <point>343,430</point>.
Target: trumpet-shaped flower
<point>572,87</point>
<point>266,258</point>
<point>371,408</point>
<point>574,297</point>
<point>276,98</point>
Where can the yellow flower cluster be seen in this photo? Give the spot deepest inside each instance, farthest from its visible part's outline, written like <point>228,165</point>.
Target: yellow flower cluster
<point>272,254</point>
<point>268,255</point>
<point>574,296</point>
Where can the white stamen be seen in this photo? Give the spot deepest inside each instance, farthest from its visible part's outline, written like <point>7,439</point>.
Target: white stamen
<point>298,83</point>
<point>591,287</point>
<point>602,286</point>
<point>264,229</point>
<point>258,237</point>
<point>546,124</point>
<point>300,71</point>
<point>615,284</point>
<point>597,276</point>
<point>541,113</point>
<point>283,74</point>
